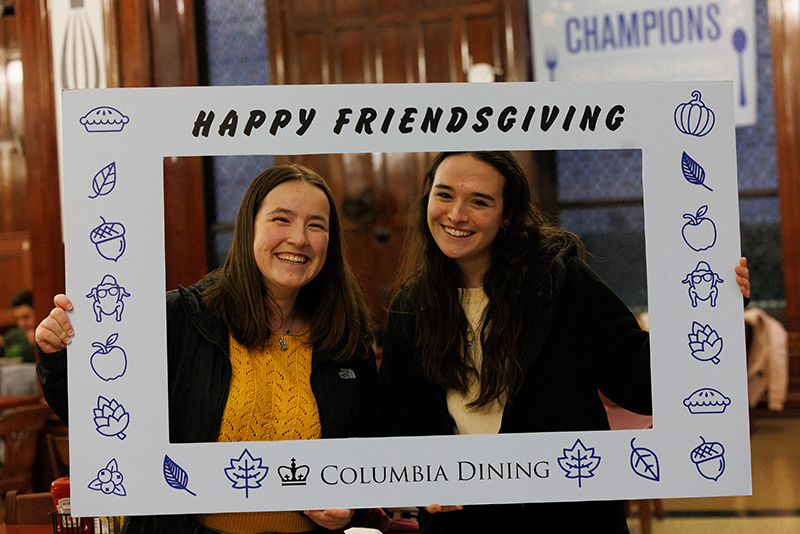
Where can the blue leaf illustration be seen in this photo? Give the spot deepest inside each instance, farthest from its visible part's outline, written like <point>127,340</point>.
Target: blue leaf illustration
<point>644,462</point>
<point>105,180</point>
<point>693,172</point>
<point>579,462</point>
<point>175,476</point>
<point>246,472</point>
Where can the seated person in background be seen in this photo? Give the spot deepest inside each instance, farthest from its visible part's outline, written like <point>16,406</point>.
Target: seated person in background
<point>18,342</point>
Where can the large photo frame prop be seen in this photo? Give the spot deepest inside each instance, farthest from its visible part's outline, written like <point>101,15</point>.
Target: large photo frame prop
<point>122,462</point>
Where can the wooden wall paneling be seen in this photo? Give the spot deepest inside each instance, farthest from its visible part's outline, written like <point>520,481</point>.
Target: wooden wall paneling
<point>394,5</point>
<point>135,59</point>
<point>517,41</point>
<point>173,43</point>
<point>785,36</point>
<point>184,222</point>
<point>111,42</point>
<point>482,41</point>
<point>174,63</point>
<point>394,53</point>
<point>311,62</point>
<point>350,7</point>
<point>439,36</point>
<point>305,8</point>
<point>351,62</point>
<point>15,264</point>
<point>14,210</point>
<point>41,154</point>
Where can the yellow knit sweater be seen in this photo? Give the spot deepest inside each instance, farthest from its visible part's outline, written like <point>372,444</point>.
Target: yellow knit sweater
<point>270,399</point>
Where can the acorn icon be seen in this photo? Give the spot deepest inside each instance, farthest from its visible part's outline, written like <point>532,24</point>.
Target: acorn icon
<point>109,239</point>
<point>709,459</point>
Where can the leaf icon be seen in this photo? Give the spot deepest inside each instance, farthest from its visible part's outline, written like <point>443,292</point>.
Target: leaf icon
<point>693,172</point>
<point>644,462</point>
<point>246,472</point>
<point>105,180</point>
<point>175,476</point>
<point>579,462</point>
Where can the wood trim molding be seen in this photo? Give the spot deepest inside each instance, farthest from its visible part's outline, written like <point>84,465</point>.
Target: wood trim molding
<point>135,64</point>
<point>277,60</point>
<point>41,154</point>
<point>784,18</point>
<point>111,39</point>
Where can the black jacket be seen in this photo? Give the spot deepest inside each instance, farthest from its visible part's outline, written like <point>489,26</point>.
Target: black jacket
<point>582,340</point>
<point>199,378</point>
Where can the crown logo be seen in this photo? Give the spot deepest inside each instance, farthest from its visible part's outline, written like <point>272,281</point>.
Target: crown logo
<point>294,475</point>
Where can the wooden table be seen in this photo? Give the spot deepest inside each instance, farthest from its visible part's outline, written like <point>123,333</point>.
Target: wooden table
<point>12,401</point>
<point>26,529</point>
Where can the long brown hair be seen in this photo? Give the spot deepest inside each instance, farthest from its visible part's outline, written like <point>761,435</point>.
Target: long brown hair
<point>332,302</point>
<point>522,254</point>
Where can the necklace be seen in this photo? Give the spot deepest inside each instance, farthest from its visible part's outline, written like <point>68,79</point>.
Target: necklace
<point>282,342</point>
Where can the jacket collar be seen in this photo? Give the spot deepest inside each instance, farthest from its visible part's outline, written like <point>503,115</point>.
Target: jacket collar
<point>201,317</point>
<point>211,328</point>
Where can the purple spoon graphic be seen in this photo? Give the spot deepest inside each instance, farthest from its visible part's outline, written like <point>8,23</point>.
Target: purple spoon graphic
<point>739,42</point>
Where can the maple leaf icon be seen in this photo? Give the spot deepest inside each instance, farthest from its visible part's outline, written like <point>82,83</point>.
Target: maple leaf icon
<point>246,472</point>
<point>579,462</point>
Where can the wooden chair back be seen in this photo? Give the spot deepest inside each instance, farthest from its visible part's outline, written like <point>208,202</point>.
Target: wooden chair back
<point>19,432</point>
<point>58,454</point>
<point>29,508</point>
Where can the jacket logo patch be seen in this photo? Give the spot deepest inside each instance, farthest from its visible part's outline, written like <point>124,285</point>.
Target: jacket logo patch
<point>345,373</point>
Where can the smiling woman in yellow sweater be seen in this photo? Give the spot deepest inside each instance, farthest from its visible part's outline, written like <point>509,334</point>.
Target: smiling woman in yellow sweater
<point>275,345</point>
<point>270,399</point>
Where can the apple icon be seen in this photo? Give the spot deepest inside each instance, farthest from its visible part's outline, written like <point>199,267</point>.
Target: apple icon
<point>109,361</point>
<point>700,232</point>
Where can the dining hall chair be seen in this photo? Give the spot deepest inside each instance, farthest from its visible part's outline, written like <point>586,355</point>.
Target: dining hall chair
<point>58,454</point>
<point>29,508</point>
<point>19,432</point>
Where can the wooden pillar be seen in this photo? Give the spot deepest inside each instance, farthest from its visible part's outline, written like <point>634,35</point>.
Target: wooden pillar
<point>785,34</point>
<point>41,154</point>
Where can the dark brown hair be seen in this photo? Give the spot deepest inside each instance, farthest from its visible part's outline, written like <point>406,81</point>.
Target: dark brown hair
<point>332,302</point>
<point>522,254</point>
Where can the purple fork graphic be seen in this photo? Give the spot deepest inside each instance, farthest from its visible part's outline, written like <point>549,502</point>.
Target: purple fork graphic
<point>551,60</point>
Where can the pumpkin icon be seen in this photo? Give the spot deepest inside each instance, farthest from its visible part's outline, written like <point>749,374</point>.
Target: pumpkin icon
<point>693,117</point>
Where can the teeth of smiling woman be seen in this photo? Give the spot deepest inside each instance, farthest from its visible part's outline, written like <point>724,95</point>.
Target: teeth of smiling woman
<point>291,258</point>
<point>457,233</point>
